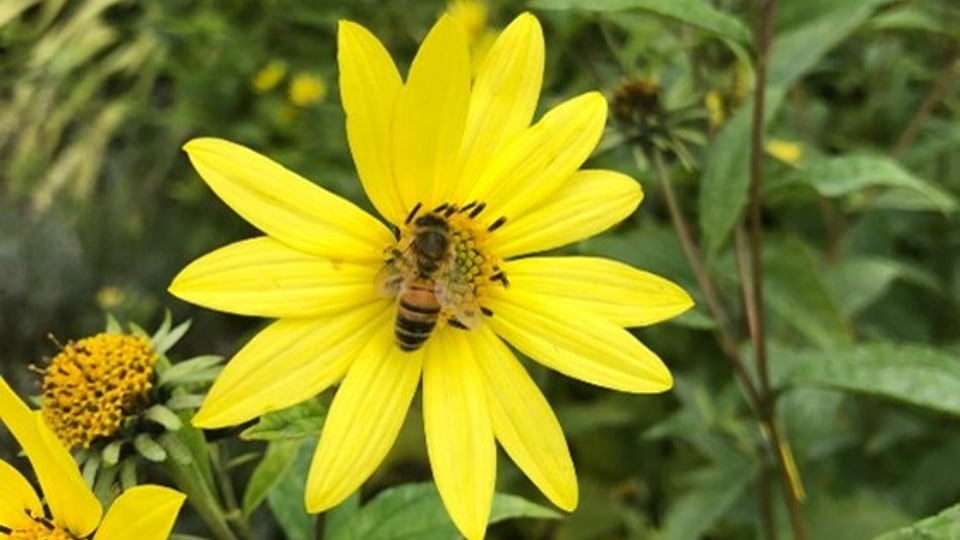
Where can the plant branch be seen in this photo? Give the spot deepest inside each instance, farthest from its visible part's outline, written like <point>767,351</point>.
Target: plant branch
<point>939,90</point>
<point>754,290</point>
<point>692,252</point>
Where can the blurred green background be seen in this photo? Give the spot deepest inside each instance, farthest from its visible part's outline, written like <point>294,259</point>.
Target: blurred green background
<point>99,209</point>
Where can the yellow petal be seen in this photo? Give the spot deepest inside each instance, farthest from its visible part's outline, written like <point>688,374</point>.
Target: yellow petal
<point>524,423</point>
<point>72,504</point>
<point>285,205</point>
<point>459,435</point>
<point>589,202</point>
<point>536,162</point>
<point>615,291</point>
<point>18,499</point>
<point>288,362</point>
<point>369,86</point>
<point>145,512</point>
<point>576,343</point>
<point>364,419</point>
<point>263,277</point>
<point>431,115</point>
<point>504,96</point>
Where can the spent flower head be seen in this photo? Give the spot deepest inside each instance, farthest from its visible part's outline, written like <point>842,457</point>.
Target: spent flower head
<point>112,394</point>
<point>469,189</point>
<point>71,511</point>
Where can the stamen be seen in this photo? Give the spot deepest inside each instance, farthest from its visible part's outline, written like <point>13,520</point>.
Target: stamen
<point>497,224</point>
<point>441,208</point>
<point>456,324</point>
<point>412,214</point>
<point>501,277</point>
<point>467,207</point>
<point>486,311</point>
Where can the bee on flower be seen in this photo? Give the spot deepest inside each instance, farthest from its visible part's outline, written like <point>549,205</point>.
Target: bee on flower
<point>469,190</point>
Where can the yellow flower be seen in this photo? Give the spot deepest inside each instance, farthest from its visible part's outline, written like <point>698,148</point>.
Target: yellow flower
<point>788,152</point>
<point>306,89</point>
<point>269,76</point>
<point>447,163</point>
<point>144,512</point>
<point>471,15</point>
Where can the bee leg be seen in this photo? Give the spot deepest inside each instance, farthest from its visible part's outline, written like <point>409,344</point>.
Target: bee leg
<point>413,213</point>
<point>456,324</point>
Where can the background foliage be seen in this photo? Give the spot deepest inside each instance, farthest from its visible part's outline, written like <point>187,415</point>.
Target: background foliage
<point>99,209</point>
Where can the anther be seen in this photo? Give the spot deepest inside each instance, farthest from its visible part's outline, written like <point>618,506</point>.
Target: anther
<point>412,214</point>
<point>441,208</point>
<point>497,224</point>
<point>501,277</point>
<point>486,311</point>
<point>467,207</point>
<point>456,324</point>
<point>476,211</point>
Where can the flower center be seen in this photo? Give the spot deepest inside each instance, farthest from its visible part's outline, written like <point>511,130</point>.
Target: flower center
<point>40,529</point>
<point>93,384</point>
<point>441,270</point>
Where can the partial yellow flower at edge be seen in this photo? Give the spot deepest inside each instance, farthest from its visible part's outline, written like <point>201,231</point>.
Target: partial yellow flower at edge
<point>465,160</point>
<point>144,512</point>
<point>788,152</point>
<point>306,89</point>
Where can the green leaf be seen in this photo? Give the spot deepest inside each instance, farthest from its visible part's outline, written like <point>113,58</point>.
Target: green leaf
<point>795,291</point>
<point>162,342</point>
<point>726,176</point>
<point>276,463</point>
<point>149,449</point>
<point>297,422</point>
<point>416,511</point>
<point>696,13</point>
<point>182,371</point>
<point>846,175</point>
<point>917,374</point>
<point>709,495</point>
<point>286,498</point>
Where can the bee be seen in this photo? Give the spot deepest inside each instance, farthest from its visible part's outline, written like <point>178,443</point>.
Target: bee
<point>425,280</point>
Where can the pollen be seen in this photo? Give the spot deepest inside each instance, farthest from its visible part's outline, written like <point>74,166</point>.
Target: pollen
<point>40,529</point>
<point>93,384</point>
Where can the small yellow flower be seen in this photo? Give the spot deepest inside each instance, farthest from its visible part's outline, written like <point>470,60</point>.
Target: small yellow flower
<point>716,110</point>
<point>457,168</point>
<point>92,384</point>
<point>786,151</point>
<point>269,76</point>
<point>471,15</point>
<point>306,89</point>
<point>109,297</point>
<point>144,512</point>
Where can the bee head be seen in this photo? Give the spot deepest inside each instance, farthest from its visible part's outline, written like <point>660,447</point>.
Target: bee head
<point>432,236</point>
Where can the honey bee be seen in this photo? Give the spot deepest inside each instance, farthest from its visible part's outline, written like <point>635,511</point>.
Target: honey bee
<point>425,279</point>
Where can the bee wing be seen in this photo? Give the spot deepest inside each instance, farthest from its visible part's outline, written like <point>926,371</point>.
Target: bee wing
<point>389,280</point>
<point>455,293</point>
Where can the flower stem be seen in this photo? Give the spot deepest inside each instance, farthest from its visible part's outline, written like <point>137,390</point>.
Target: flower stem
<point>754,291</point>
<point>691,250</point>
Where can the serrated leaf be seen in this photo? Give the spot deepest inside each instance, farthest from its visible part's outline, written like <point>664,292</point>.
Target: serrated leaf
<point>916,374</point>
<point>696,13</point>
<point>297,422</point>
<point>286,498</point>
<point>845,175</point>
<point>416,511</point>
<point>276,463</point>
<point>723,193</point>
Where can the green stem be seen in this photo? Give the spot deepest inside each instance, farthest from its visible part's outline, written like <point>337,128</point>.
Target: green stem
<point>189,479</point>
<point>754,291</point>
<point>234,514</point>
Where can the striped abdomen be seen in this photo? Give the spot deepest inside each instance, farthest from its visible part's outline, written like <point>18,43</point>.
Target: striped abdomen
<point>417,312</point>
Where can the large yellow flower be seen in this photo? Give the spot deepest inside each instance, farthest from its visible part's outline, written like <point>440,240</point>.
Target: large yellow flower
<point>465,157</point>
<point>143,512</point>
